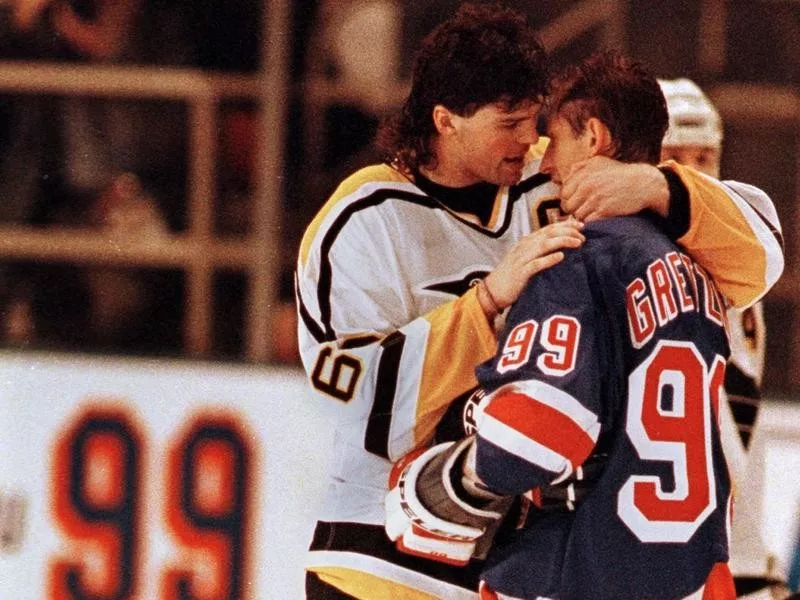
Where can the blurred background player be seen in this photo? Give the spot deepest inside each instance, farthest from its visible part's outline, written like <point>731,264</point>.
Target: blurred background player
<point>694,138</point>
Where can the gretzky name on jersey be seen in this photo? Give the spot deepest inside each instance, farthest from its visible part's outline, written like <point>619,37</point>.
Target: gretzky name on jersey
<point>673,284</point>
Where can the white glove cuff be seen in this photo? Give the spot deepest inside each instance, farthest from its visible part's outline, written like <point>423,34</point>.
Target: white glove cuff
<point>416,511</point>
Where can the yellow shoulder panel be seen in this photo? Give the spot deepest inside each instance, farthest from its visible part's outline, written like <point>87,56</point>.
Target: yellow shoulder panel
<point>460,338</point>
<point>719,236</point>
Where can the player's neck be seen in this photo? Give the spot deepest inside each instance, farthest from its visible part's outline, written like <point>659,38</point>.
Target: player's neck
<point>474,200</point>
<point>448,177</point>
<point>447,171</point>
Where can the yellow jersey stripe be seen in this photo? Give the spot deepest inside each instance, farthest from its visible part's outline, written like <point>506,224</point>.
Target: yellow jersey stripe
<point>711,237</point>
<point>460,338</point>
<point>365,586</point>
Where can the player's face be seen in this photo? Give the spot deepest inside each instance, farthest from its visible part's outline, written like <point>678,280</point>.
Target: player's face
<point>491,144</point>
<point>703,158</point>
<point>565,149</point>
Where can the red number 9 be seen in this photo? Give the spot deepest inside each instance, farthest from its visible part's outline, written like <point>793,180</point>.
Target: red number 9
<point>560,337</point>
<point>679,433</point>
<point>518,346</point>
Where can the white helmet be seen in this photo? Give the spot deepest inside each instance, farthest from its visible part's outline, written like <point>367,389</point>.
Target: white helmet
<point>693,119</point>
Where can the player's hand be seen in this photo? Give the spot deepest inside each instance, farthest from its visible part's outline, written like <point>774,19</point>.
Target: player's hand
<point>601,187</point>
<point>425,514</point>
<point>567,495</point>
<point>535,252</point>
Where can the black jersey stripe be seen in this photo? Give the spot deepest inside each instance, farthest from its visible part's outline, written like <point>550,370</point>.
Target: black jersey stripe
<point>376,437</point>
<point>526,185</point>
<point>774,230</point>
<point>749,585</point>
<point>744,398</point>
<point>737,383</point>
<point>778,235</point>
<point>326,269</point>
<point>371,540</point>
<point>359,342</point>
<point>313,328</point>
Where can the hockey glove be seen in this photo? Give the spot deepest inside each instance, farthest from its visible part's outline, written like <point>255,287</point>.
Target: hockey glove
<point>429,512</point>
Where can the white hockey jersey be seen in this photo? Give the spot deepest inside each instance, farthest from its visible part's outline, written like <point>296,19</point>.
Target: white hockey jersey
<point>390,326</point>
<point>750,561</point>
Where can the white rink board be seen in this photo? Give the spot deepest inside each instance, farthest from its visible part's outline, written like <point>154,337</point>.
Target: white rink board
<point>42,397</point>
<point>776,447</point>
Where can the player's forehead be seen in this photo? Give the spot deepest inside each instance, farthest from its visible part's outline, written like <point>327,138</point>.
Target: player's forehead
<point>556,125</point>
<point>503,111</point>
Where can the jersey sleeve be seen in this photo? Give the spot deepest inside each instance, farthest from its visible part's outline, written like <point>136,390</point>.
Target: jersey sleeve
<point>393,372</point>
<point>541,420</point>
<point>734,233</point>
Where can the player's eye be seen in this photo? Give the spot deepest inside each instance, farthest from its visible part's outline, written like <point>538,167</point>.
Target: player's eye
<point>512,124</point>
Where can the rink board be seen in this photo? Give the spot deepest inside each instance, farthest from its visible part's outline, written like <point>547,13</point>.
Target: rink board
<point>136,478</point>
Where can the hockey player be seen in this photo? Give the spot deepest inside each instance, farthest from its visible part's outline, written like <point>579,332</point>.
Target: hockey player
<point>694,138</point>
<point>620,348</point>
<point>403,270</point>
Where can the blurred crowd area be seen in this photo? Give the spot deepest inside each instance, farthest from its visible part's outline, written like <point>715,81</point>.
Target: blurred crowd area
<point>115,164</point>
<point>121,164</point>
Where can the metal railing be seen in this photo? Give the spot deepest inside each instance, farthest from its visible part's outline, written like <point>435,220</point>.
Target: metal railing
<point>196,251</point>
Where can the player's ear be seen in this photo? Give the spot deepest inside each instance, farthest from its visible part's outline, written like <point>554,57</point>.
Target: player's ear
<point>601,142</point>
<point>443,120</point>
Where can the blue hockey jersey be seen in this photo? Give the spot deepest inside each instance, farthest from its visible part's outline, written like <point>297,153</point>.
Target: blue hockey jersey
<point>621,349</point>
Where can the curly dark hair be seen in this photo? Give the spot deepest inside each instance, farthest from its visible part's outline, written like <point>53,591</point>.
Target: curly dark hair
<point>622,94</point>
<point>483,54</point>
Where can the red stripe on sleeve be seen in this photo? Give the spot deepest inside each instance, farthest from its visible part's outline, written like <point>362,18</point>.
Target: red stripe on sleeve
<point>543,424</point>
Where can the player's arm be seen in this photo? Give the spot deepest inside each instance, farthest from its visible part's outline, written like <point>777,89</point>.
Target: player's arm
<point>445,503</point>
<point>726,221</point>
<point>716,222</point>
<point>360,342</point>
<point>439,508</point>
<point>540,422</point>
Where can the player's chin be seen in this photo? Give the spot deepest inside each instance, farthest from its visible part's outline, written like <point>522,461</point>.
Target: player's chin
<point>510,171</point>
